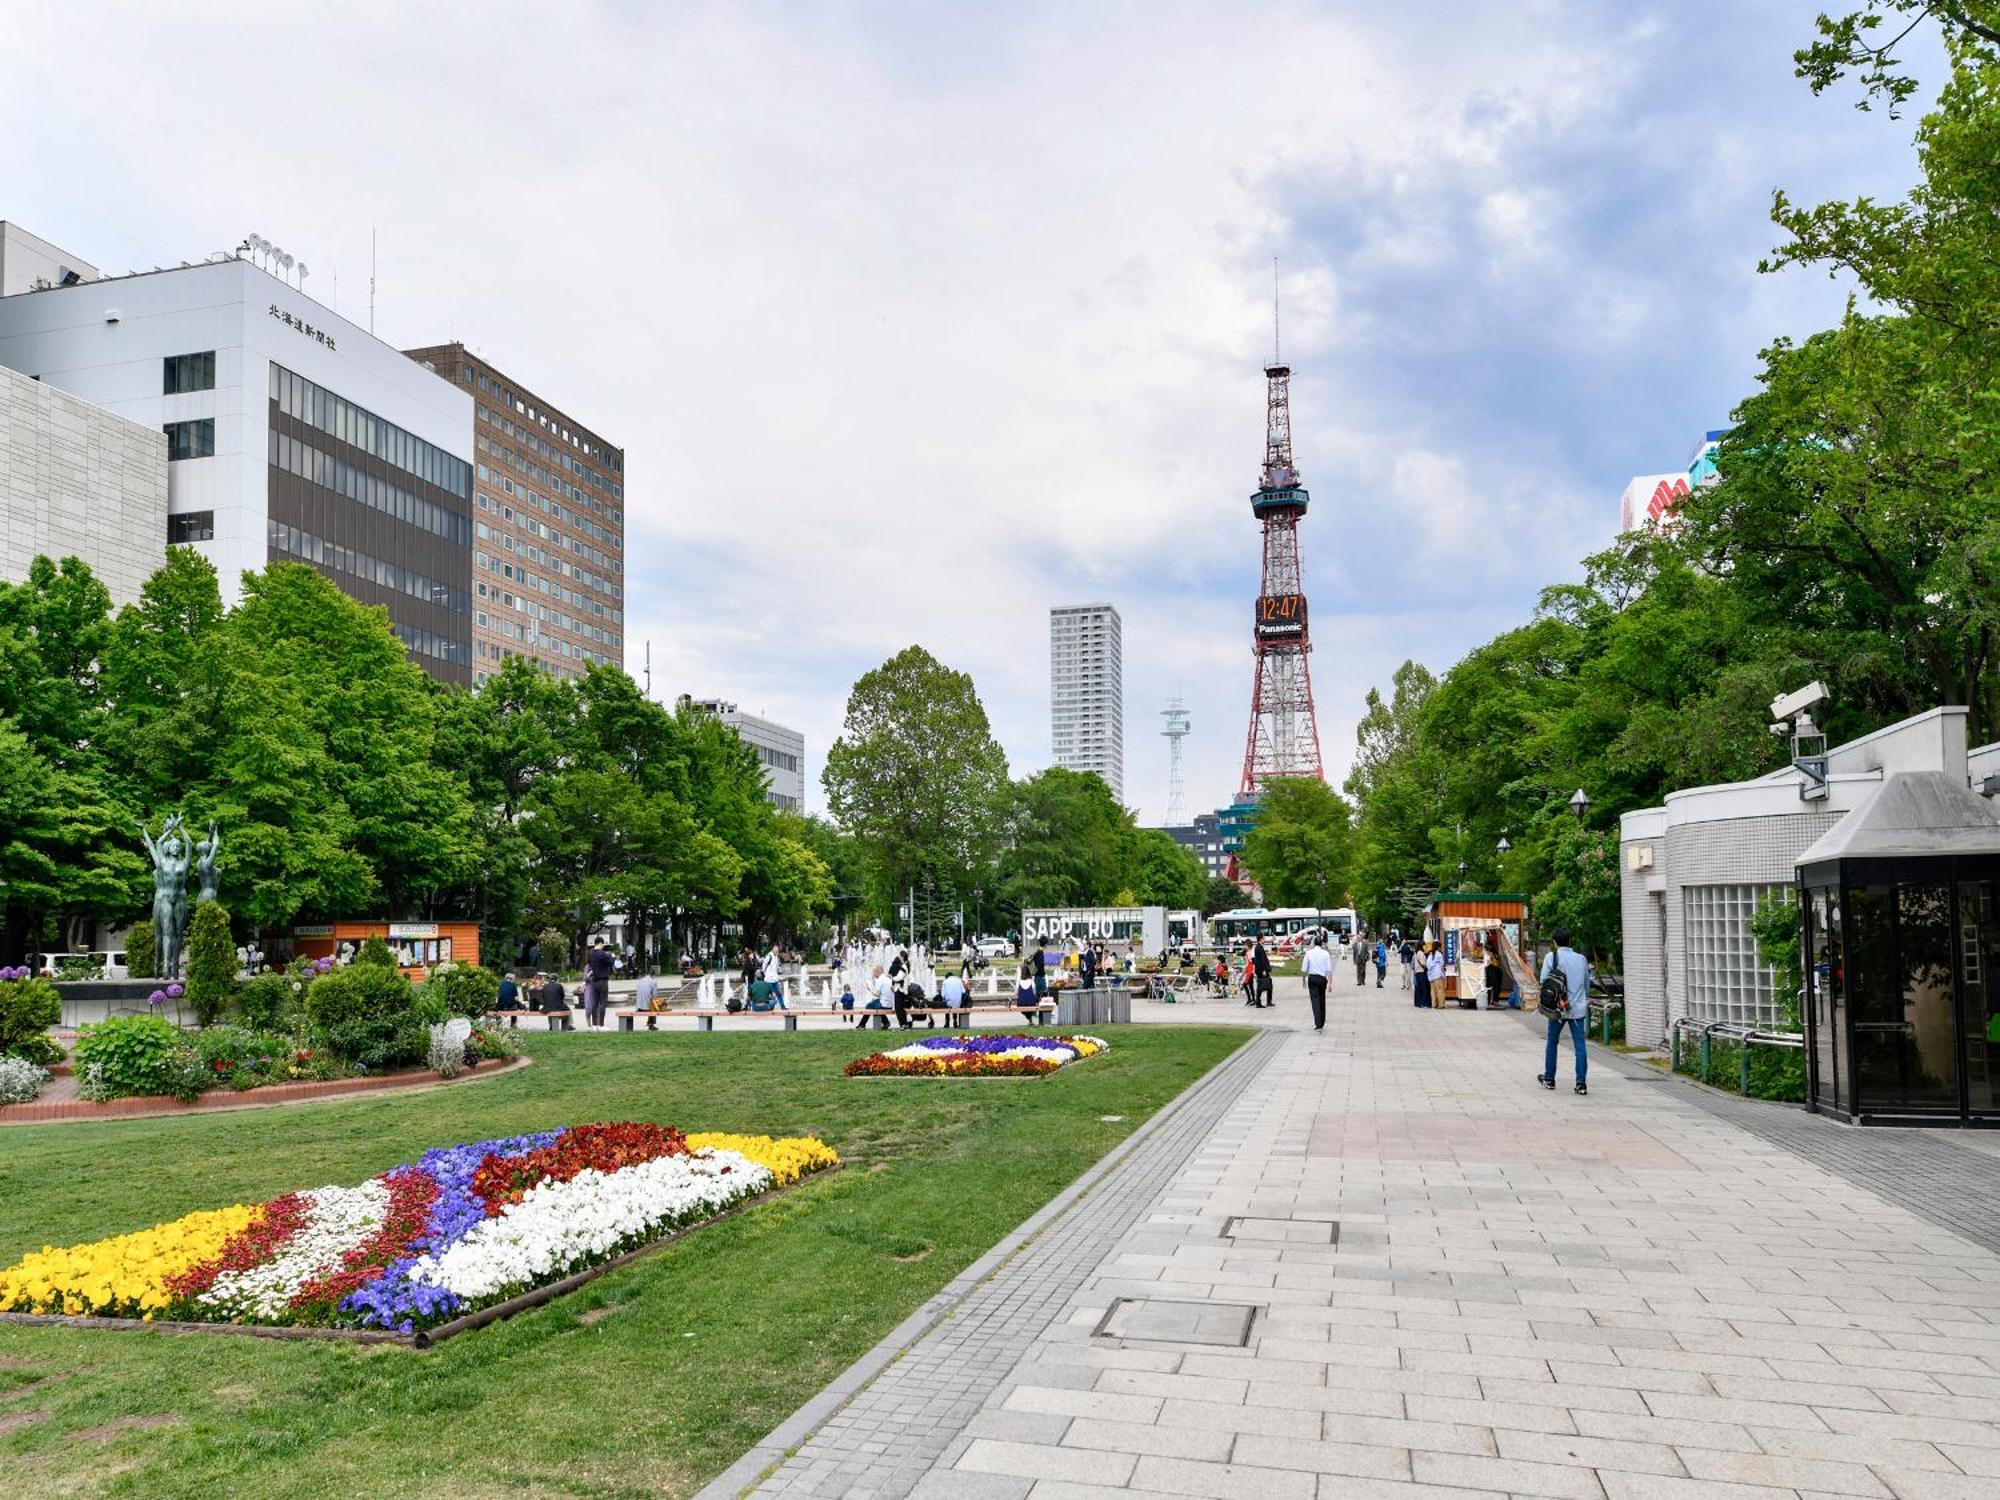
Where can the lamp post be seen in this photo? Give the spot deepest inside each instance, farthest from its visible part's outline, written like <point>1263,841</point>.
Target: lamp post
<point>1503,846</point>
<point>1579,803</point>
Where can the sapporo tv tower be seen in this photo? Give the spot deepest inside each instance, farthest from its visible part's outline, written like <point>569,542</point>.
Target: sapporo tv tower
<point>1284,734</point>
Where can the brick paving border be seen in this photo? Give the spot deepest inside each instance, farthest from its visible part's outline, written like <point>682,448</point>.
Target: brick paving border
<point>878,1428</point>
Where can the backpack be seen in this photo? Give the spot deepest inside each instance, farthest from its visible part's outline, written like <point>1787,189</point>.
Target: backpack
<point>1554,1001</point>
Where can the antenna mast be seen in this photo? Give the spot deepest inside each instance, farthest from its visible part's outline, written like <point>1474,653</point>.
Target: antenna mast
<point>1178,725</point>
<point>371,280</point>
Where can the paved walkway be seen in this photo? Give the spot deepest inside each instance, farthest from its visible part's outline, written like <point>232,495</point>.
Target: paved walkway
<point>1381,1262</point>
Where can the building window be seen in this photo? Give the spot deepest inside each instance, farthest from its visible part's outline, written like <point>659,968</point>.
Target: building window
<point>1726,981</point>
<point>191,439</point>
<point>188,372</point>
<point>194,526</point>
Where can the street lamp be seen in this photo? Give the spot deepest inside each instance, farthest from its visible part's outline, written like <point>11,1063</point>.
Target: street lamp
<point>1503,846</point>
<point>1579,803</point>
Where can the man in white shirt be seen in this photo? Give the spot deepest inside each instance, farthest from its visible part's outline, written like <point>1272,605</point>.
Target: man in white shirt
<point>1317,966</point>
<point>643,997</point>
<point>951,991</point>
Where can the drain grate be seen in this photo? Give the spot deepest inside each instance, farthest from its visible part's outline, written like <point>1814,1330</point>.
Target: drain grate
<point>1249,1228</point>
<point>1221,1323</point>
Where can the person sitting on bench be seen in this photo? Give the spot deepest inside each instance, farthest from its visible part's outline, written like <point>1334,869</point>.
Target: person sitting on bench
<point>510,994</point>
<point>883,999</point>
<point>763,995</point>
<point>910,996</point>
<point>549,995</point>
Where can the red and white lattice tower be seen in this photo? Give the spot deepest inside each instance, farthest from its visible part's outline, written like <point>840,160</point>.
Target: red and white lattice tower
<point>1284,734</point>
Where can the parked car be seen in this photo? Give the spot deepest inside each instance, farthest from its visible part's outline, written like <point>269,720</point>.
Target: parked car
<point>993,947</point>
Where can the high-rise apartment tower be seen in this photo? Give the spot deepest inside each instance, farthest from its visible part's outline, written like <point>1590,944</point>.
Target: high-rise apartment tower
<point>548,548</point>
<point>1087,691</point>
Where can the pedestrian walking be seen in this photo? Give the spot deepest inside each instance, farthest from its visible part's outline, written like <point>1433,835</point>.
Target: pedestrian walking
<point>597,966</point>
<point>1317,966</point>
<point>1260,964</point>
<point>1407,951</point>
<point>1360,959</point>
<point>1040,965</point>
<point>1565,1001</point>
<point>1381,963</point>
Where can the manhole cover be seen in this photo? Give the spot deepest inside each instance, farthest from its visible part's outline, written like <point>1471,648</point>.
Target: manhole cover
<point>1282,1231</point>
<point>1226,1323</point>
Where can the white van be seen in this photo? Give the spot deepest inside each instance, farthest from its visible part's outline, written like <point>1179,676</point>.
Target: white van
<point>109,963</point>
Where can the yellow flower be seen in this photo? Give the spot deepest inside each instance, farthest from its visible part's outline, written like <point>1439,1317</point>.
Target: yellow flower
<point>125,1275</point>
<point>788,1159</point>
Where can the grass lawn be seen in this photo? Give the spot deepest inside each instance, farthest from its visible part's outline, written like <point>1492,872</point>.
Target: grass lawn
<point>646,1382</point>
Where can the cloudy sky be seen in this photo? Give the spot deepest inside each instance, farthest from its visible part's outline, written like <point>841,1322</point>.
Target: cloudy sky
<point>915,320</point>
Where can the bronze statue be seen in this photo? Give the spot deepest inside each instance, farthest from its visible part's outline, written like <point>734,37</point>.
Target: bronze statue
<point>204,857</point>
<point>170,867</point>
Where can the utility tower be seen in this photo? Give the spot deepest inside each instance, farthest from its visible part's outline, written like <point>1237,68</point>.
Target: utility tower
<point>1284,734</point>
<point>1178,726</point>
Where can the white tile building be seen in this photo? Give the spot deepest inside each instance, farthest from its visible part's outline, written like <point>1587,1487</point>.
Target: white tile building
<point>782,752</point>
<point>1087,691</point>
<point>1693,871</point>
<point>79,481</point>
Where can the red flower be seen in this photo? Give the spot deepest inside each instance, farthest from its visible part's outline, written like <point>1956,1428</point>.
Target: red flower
<point>501,1180</point>
<point>283,1218</point>
<point>412,1191</point>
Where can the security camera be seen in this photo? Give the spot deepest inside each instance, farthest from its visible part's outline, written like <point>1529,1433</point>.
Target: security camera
<point>1790,705</point>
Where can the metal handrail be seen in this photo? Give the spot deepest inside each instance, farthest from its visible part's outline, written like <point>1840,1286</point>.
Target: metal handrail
<point>1742,1033</point>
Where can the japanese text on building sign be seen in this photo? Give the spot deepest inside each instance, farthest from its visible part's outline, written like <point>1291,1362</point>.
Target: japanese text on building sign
<point>292,320</point>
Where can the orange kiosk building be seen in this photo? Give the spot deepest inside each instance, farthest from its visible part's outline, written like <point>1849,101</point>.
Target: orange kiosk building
<point>1463,921</point>
<point>418,946</point>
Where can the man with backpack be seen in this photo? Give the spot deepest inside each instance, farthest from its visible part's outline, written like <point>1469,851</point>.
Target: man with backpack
<point>1565,1001</point>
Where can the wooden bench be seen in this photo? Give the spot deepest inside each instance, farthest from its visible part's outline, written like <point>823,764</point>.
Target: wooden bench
<point>558,1020</point>
<point>956,1017</point>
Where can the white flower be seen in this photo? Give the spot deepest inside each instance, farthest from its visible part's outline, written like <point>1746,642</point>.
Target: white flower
<point>337,1220</point>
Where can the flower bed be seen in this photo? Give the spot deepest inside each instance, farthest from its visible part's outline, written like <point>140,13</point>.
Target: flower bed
<point>967,1056</point>
<point>462,1228</point>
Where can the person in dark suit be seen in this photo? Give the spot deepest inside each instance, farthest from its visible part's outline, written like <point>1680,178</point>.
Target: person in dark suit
<point>597,967</point>
<point>1260,962</point>
<point>549,996</point>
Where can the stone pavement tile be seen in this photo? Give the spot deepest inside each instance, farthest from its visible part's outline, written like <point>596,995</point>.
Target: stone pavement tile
<point>1562,1481</point>
<point>1054,1400</point>
<point>1928,1484</point>
<point>1183,1476</point>
<point>1217,1416</point>
<point>1051,1372</point>
<point>1798,1473</point>
<point>1254,1365</point>
<point>1744,1413</point>
<point>1875,1377</point>
<point>1016,1426</point>
<point>1973,1460</point>
<point>1529,1416</point>
<point>1063,1489</point>
<point>1344,1487</point>
<point>1444,1437</point>
<point>1840,1447</point>
<point>1676,1432</point>
<point>1212,1444</point>
<point>1812,1392</point>
<point>1926,1404</point>
<point>1618,1486</point>
<point>1314,1457</point>
<point>1038,1461</point>
<point>1913,1429</point>
<point>958,1485</point>
<point>1179,1387</point>
<point>1623,1377</point>
<point>1589,1452</point>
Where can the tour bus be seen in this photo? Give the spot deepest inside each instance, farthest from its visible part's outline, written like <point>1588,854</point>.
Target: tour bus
<point>1281,927</point>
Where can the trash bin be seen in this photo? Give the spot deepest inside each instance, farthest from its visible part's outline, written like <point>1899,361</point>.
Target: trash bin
<point>1120,1010</point>
<point>1067,1002</point>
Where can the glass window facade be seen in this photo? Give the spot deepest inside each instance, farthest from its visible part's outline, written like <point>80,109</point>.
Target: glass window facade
<point>338,417</point>
<point>190,439</point>
<point>1726,981</point>
<point>193,526</point>
<point>188,372</point>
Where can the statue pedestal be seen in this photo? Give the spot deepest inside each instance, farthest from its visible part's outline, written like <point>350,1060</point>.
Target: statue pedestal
<point>88,1000</point>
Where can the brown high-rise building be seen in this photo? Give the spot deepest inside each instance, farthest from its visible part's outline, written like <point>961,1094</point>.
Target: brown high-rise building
<point>548,564</point>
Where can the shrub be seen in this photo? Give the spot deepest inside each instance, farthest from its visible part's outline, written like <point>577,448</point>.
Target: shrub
<point>269,1002</point>
<point>141,951</point>
<point>75,966</point>
<point>447,1053</point>
<point>553,949</point>
<point>28,1008</point>
<point>466,989</point>
<point>138,1055</point>
<point>20,1080</point>
<point>1775,1072</point>
<point>491,1044</point>
<point>241,1058</point>
<point>211,961</point>
<point>375,951</point>
<point>366,1015</point>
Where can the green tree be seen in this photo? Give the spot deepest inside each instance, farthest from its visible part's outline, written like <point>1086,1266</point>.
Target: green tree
<point>1220,894</point>
<point>917,777</point>
<point>1068,841</point>
<point>1164,873</point>
<point>140,956</point>
<point>211,961</point>
<point>1299,848</point>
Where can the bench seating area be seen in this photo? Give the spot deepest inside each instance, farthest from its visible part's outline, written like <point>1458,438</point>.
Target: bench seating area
<point>556,1020</point>
<point>954,1016</point>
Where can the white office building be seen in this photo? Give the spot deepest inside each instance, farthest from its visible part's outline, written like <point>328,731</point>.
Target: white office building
<point>782,751</point>
<point>290,433</point>
<point>79,481</point>
<point>30,263</point>
<point>1087,691</point>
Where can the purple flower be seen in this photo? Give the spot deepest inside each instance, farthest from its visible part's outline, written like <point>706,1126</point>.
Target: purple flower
<point>393,1299</point>
<point>323,964</point>
<point>157,998</point>
<point>174,992</point>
